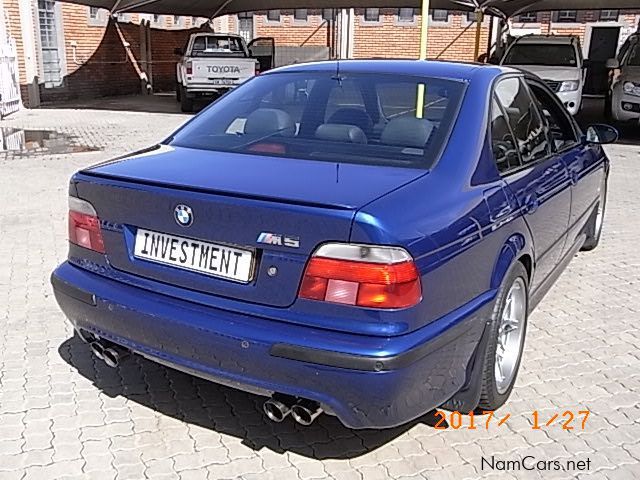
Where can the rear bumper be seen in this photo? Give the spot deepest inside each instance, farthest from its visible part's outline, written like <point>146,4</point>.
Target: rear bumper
<point>385,385</point>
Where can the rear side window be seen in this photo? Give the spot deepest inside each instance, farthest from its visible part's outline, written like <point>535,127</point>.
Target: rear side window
<point>561,131</point>
<point>524,120</point>
<point>373,119</point>
<point>505,150</point>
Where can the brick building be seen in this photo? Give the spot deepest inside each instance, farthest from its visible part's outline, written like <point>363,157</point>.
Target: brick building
<point>66,51</point>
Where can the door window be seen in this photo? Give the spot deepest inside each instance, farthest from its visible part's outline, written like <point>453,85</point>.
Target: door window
<point>524,120</point>
<point>505,151</point>
<point>561,131</point>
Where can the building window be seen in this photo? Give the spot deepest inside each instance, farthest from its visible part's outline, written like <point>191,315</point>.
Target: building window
<point>406,15</point>
<point>327,14</point>
<point>50,48</point>
<point>177,20</point>
<point>530,17</point>
<point>567,16</point>
<point>472,17</point>
<point>273,15</point>
<point>156,18</point>
<point>438,15</point>
<point>300,14</point>
<point>93,13</point>
<point>609,15</point>
<point>371,14</point>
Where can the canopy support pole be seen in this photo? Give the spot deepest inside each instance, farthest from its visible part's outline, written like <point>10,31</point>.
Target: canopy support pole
<point>479,19</point>
<point>424,28</point>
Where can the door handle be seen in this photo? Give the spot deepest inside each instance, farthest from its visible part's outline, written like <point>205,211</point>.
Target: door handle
<point>531,203</point>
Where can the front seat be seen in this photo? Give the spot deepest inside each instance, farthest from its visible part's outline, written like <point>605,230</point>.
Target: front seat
<point>353,116</point>
<point>407,132</point>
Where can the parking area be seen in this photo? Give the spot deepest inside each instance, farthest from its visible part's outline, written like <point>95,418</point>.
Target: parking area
<point>63,414</point>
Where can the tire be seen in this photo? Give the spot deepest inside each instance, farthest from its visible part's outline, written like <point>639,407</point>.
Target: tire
<point>513,295</point>
<point>186,103</point>
<point>178,93</point>
<point>594,227</point>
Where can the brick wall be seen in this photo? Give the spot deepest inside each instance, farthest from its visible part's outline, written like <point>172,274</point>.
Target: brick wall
<point>390,38</point>
<point>291,32</point>
<point>101,66</point>
<point>12,19</point>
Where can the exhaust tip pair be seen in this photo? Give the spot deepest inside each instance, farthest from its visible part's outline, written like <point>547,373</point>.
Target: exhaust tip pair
<point>111,355</point>
<point>303,411</point>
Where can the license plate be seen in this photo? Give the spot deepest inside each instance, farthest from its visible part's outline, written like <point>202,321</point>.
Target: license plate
<point>212,259</point>
<point>222,81</point>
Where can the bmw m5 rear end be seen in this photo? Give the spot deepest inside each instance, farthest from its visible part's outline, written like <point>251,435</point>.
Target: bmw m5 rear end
<point>309,237</point>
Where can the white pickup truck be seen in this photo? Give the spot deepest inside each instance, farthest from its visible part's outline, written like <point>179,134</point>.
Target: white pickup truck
<point>213,63</point>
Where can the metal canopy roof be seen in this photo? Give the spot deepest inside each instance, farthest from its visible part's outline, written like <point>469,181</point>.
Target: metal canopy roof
<point>210,8</point>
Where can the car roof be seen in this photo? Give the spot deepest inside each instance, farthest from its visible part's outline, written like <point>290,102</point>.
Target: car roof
<point>431,68</point>
<point>550,39</point>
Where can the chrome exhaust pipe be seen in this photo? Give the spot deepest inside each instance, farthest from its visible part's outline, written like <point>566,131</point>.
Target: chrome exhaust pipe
<point>97,349</point>
<point>305,412</point>
<point>113,355</point>
<point>276,410</point>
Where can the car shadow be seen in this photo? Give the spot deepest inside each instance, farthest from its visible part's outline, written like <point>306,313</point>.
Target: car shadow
<point>593,112</point>
<point>227,411</point>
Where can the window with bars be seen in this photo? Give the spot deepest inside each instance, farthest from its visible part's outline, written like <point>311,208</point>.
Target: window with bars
<point>94,12</point>
<point>407,15</point>
<point>567,16</point>
<point>438,15</point>
<point>49,46</point>
<point>530,17</point>
<point>371,14</point>
<point>608,15</point>
<point>327,14</point>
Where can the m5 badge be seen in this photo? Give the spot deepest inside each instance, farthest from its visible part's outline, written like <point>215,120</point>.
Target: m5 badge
<point>279,239</point>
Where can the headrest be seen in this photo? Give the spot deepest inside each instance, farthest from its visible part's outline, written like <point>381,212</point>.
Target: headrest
<point>407,132</point>
<point>264,121</point>
<point>336,132</point>
<point>353,116</point>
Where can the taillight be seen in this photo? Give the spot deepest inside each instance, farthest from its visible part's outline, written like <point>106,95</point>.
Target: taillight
<point>257,69</point>
<point>362,275</point>
<point>189,68</point>
<point>84,225</point>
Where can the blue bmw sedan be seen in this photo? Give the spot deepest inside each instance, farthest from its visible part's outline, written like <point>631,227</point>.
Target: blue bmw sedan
<point>364,239</point>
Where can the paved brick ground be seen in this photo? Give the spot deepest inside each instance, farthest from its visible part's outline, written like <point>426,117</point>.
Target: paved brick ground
<point>64,415</point>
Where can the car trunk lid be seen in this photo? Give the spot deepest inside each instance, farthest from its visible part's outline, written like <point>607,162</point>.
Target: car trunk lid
<point>280,210</point>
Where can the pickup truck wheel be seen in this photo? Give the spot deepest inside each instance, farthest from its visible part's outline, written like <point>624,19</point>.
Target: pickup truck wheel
<point>507,330</point>
<point>186,103</point>
<point>178,93</point>
<point>594,228</point>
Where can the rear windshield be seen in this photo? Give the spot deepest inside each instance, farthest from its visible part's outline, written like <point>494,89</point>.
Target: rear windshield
<point>215,45</point>
<point>542,54</point>
<point>372,119</point>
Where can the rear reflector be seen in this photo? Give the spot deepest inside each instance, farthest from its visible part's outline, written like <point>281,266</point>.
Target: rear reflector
<point>84,225</point>
<point>362,275</point>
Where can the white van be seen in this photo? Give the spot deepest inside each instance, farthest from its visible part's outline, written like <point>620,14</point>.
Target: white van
<point>557,59</point>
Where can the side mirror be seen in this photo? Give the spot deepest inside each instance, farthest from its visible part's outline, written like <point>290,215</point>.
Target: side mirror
<point>586,63</point>
<point>601,134</point>
<point>612,64</point>
<point>178,51</point>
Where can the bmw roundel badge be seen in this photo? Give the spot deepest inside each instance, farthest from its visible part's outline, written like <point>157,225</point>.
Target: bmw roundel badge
<point>183,215</point>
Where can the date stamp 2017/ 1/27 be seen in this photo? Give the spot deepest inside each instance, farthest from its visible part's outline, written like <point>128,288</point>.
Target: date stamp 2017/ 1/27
<point>566,420</point>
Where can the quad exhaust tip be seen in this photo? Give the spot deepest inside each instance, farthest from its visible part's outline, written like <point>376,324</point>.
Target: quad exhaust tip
<point>303,411</point>
<point>109,353</point>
